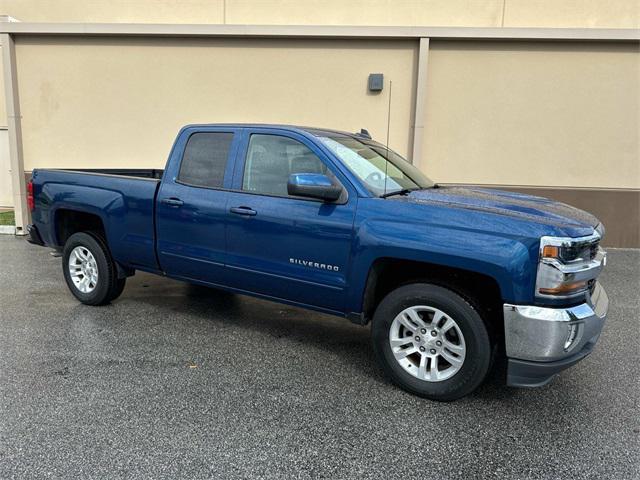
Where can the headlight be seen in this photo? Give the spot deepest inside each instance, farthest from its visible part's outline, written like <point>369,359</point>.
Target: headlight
<point>568,267</point>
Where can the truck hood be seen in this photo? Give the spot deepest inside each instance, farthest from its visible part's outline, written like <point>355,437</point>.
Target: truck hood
<point>500,202</point>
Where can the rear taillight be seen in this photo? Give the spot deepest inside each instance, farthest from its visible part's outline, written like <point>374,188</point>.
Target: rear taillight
<point>30,201</point>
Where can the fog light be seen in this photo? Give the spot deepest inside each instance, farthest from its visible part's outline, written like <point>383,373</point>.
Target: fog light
<point>571,336</point>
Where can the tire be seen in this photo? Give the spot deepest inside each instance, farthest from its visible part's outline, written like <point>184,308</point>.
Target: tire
<point>466,342</point>
<point>99,261</point>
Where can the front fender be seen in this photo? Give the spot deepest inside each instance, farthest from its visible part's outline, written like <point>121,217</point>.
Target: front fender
<point>507,260</point>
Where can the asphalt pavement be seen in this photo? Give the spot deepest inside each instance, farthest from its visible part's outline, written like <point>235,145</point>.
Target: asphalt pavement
<point>175,381</point>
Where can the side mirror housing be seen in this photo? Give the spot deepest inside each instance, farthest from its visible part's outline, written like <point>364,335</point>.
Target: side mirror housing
<point>313,185</point>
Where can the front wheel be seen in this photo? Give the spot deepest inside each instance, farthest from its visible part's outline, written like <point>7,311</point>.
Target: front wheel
<point>89,269</point>
<point>431,342</point>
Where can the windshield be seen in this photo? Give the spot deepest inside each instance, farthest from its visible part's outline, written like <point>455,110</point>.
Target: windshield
<point>381,170</point>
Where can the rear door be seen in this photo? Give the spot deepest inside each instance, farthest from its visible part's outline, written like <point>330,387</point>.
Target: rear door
<point>191,205</point>
<point>287,247</point>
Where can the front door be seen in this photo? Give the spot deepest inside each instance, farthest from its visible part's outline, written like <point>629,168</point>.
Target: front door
<point>286,247</point>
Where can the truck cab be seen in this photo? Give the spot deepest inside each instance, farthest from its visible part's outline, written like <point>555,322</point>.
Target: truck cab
<point>237,225</point>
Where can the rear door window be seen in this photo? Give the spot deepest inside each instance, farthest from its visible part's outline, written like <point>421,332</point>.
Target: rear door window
<point>205,159</point>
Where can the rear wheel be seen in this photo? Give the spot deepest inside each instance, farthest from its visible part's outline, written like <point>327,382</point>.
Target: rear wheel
<point>431,342</point>
<point>89,269</point>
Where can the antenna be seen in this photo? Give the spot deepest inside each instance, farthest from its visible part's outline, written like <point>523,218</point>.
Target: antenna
<point>386,163</point>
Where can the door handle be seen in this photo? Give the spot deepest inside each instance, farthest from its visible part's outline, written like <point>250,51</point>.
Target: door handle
<point>172,202</point>
<point>247,211</point>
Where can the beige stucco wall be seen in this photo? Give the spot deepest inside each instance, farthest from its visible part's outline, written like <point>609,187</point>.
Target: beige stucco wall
<point>572,13</point>
<point>119,102</point>
<point>124,11</point>
<point>366,12</point>
<point>497,113</point>
<point>480,13</point>
<point>533,114</point>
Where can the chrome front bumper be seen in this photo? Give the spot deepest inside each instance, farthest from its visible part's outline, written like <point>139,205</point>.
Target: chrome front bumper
<point>542,341</point>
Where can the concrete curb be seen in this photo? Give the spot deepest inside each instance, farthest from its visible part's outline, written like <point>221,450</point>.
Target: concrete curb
<point>7,230</point>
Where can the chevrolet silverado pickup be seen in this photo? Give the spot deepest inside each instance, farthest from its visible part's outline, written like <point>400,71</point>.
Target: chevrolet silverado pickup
<point>450,278</point>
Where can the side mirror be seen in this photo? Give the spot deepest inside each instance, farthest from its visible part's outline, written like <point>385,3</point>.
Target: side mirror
<point>313,185</point>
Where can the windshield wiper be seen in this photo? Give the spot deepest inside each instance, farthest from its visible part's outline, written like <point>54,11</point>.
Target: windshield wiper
<point>404,191</point>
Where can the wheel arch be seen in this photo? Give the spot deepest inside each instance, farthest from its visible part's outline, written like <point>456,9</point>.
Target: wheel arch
<point>68,221</point>
<point>387,274</point>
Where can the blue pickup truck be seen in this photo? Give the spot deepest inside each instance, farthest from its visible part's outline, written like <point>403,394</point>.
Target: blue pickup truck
<point>451,279</point>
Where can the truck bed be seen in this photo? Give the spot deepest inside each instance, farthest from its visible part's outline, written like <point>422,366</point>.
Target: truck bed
<point>124,199</point>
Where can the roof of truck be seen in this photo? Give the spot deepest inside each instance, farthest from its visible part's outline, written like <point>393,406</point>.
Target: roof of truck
<point>316,131</point>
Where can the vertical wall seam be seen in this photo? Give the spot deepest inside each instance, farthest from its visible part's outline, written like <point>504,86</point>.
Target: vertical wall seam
<point>420,105</point>
<point>14,127</point>
<point>504,9</point>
